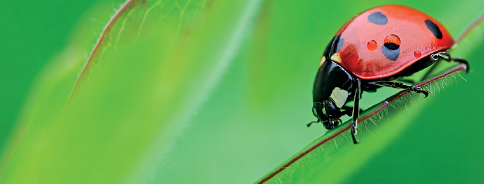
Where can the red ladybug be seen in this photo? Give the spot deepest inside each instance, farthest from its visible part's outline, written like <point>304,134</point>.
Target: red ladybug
<point>373,50</point>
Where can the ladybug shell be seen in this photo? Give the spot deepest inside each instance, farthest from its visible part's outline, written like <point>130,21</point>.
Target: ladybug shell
<point>385,40</point>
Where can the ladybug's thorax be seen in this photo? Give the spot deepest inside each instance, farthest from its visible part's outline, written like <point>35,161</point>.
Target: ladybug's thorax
<point>385,40</point>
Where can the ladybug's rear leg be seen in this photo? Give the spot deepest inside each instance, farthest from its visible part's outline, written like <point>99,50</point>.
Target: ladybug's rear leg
<point>399,85</point>
<point>407,81</point>
<point>356,110</point>
<point>445,56</point>
<point>460,60</point>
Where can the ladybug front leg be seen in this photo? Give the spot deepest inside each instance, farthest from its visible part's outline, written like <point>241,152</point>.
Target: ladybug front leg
<point>356,110</point>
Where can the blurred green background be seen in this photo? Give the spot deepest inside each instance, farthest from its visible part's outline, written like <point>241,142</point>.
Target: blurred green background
<point>249,119</point>
<point>31,33</point>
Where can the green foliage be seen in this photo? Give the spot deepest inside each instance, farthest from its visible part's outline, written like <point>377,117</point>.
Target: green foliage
<point>194,91</point>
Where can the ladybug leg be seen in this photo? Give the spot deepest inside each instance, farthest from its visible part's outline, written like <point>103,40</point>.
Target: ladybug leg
<point>435,57</point>
<point>460,60</point>
<point>445,56</point>
<point>399,85</point>
<point>348,112</point>
<point>407,80</point>
<point>309,124</point>
<point>356,111</point>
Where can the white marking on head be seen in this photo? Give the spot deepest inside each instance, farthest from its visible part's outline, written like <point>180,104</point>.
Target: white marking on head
<point>322,61</point>
<point>335,57</point>
<point>339,96</point>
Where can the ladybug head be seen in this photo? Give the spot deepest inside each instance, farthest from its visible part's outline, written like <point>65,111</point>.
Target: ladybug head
<point>327,113</point>
<point>334,86</point>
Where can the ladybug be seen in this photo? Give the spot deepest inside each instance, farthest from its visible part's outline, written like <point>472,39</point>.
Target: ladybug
<point>372,50</point>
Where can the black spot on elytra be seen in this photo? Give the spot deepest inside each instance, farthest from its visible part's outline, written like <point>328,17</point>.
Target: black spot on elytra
<point>378,18</point>
<point>391,51</point>
<point>434,29</point>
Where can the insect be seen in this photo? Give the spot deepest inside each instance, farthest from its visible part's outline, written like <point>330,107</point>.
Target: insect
<point>372,50</point>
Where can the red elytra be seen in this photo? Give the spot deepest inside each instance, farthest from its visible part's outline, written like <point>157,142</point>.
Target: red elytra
<point>417,35</point>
